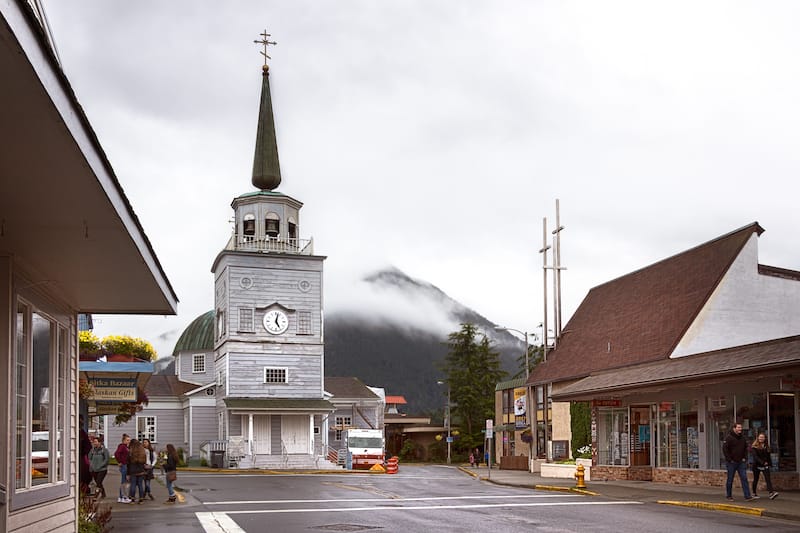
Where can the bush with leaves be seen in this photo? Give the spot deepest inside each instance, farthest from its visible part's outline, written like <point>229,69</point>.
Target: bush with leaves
<point>580,414</point>
<point>126,345</point>
<point>89,344</point>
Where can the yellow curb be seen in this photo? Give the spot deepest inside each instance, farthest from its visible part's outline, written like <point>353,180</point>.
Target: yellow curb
<point>755,511</point>
<point>565,489</point>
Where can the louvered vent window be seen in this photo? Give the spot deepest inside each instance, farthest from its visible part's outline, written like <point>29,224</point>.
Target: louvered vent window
<point>246,320</point>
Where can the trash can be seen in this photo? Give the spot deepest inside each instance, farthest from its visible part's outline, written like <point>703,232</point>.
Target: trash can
<point>217,459</point>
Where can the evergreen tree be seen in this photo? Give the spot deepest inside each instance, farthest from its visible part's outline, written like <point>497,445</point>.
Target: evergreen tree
<point>472,369</point>
<point>535,356</point>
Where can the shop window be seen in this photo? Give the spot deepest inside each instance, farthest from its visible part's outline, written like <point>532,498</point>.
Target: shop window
<point>40,389</point>
<point>678,444</point>
<point>719,421</point>
<point>612,436</point>
<point>751,411</point>
<point>508,401</point>
<point>782,430</point>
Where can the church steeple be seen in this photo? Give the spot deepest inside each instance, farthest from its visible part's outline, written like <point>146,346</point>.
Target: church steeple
<point>266,168</point>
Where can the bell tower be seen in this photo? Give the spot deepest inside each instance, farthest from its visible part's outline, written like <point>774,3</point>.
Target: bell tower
<point>268,307</point>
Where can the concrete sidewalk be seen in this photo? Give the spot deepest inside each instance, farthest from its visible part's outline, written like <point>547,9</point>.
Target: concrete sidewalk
<point>786,506</point>
<point>157,487</point>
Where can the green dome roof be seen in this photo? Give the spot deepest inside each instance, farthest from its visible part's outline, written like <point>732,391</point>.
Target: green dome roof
<point>198,336</point>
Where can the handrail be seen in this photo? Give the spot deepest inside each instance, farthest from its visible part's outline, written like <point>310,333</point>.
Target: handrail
<point>251,243</point>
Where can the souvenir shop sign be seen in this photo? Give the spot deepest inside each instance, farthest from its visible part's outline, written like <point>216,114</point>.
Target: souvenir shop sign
<point>114,389</point>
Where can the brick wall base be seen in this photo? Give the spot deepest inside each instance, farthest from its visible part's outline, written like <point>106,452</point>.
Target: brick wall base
<point>690,476</point>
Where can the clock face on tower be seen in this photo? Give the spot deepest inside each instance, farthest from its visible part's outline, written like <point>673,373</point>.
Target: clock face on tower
<point>276,322</point>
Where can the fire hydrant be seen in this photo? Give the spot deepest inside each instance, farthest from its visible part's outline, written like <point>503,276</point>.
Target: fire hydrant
<point>579,477</point>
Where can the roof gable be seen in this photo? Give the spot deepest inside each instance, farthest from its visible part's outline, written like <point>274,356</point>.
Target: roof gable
<point>348,387</point>
<point>640,317</point>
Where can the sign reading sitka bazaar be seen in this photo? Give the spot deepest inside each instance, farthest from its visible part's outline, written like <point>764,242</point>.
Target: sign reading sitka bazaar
<point>114,389</point>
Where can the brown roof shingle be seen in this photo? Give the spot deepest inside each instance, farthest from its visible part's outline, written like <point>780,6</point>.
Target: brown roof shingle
<point>640,317</point>
<point>348,387</point>
<point>774,354</point>
<point>167,385</point>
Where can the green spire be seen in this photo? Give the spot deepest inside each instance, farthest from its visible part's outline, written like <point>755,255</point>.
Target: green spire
<point>266,169</point>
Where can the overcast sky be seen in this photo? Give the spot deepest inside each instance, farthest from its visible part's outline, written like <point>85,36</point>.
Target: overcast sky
<point>436,135</point>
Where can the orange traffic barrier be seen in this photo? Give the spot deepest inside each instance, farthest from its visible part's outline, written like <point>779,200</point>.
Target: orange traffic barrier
<point>392,465</point>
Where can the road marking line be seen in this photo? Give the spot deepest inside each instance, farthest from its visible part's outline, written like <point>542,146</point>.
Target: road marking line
<point>431,498</point>
<point>426,507</point>
<point>218,523</point>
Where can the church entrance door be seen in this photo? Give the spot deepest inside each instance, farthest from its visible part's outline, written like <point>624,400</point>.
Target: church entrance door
<point>295,434</point>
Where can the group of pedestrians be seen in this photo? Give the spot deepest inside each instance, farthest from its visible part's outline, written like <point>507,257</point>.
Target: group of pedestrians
<point>137,464</point>
<point>736,452</point>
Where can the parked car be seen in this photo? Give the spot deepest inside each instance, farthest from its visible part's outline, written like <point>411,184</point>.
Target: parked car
<point>40,451</point>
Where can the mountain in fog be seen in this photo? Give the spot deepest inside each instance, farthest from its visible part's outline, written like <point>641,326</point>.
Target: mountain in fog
<point>399,339</point>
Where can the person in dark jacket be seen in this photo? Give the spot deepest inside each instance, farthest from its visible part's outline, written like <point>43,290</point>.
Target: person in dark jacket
<point>121,455</point>
<point>98,464</point>
<point>170,471</point>
<point>85,446</point>
<point>761,464</point>
<point>734,448</point>
<point>136,471</point>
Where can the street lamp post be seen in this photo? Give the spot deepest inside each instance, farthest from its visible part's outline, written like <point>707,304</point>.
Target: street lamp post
<point>525,334</point>
<point>447,419</point>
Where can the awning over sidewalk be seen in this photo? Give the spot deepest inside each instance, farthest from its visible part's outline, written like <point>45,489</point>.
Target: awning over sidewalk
<point>777,355</point>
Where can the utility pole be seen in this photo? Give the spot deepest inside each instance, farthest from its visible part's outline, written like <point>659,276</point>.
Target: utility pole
<point>543,251</point>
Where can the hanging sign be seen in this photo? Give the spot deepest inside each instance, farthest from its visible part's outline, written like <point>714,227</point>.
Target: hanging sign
<point>114,389</point>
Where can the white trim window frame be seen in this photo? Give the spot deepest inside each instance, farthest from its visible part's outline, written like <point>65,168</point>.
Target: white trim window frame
<point>247,320</point>
<point>341,423</point>
<point>276,375</point>
<point>42,351</point>
<point>146,428</point>
<point>199,363</point>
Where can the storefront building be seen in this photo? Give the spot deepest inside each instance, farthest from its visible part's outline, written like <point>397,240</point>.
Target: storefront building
<point>666,421</point>
<point>671,355</point>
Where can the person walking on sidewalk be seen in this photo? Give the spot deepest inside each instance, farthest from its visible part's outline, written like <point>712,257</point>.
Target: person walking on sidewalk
<point>136,471</point>
<point>761,464</point>
<point>734,448</point>
<point>98,464</point>
<point>171,471</point>
<point>149,467</point>
<point>121,455</point>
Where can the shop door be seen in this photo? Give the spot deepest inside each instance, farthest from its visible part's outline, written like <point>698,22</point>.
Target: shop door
<point>641,435</point>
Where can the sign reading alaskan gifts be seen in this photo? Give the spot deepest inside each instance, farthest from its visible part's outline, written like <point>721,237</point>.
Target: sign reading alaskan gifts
<point>122,390</point>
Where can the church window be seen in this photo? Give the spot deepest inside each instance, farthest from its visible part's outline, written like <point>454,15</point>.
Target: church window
<point>249,225</point>
<point>198,363</point>
<point>221,330</point>
<point>292,227</point>
<point>246,320</point>
<point>304,322</point>
<point>146,428</point>
<point>275,375</point>
<point>342,423</point>
<point>272,225</point>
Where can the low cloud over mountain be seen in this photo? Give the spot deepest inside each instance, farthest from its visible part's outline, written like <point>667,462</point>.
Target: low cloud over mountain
<point>394,335</point>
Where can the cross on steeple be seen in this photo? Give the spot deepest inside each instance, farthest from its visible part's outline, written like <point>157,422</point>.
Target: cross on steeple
<point>266,42</point>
